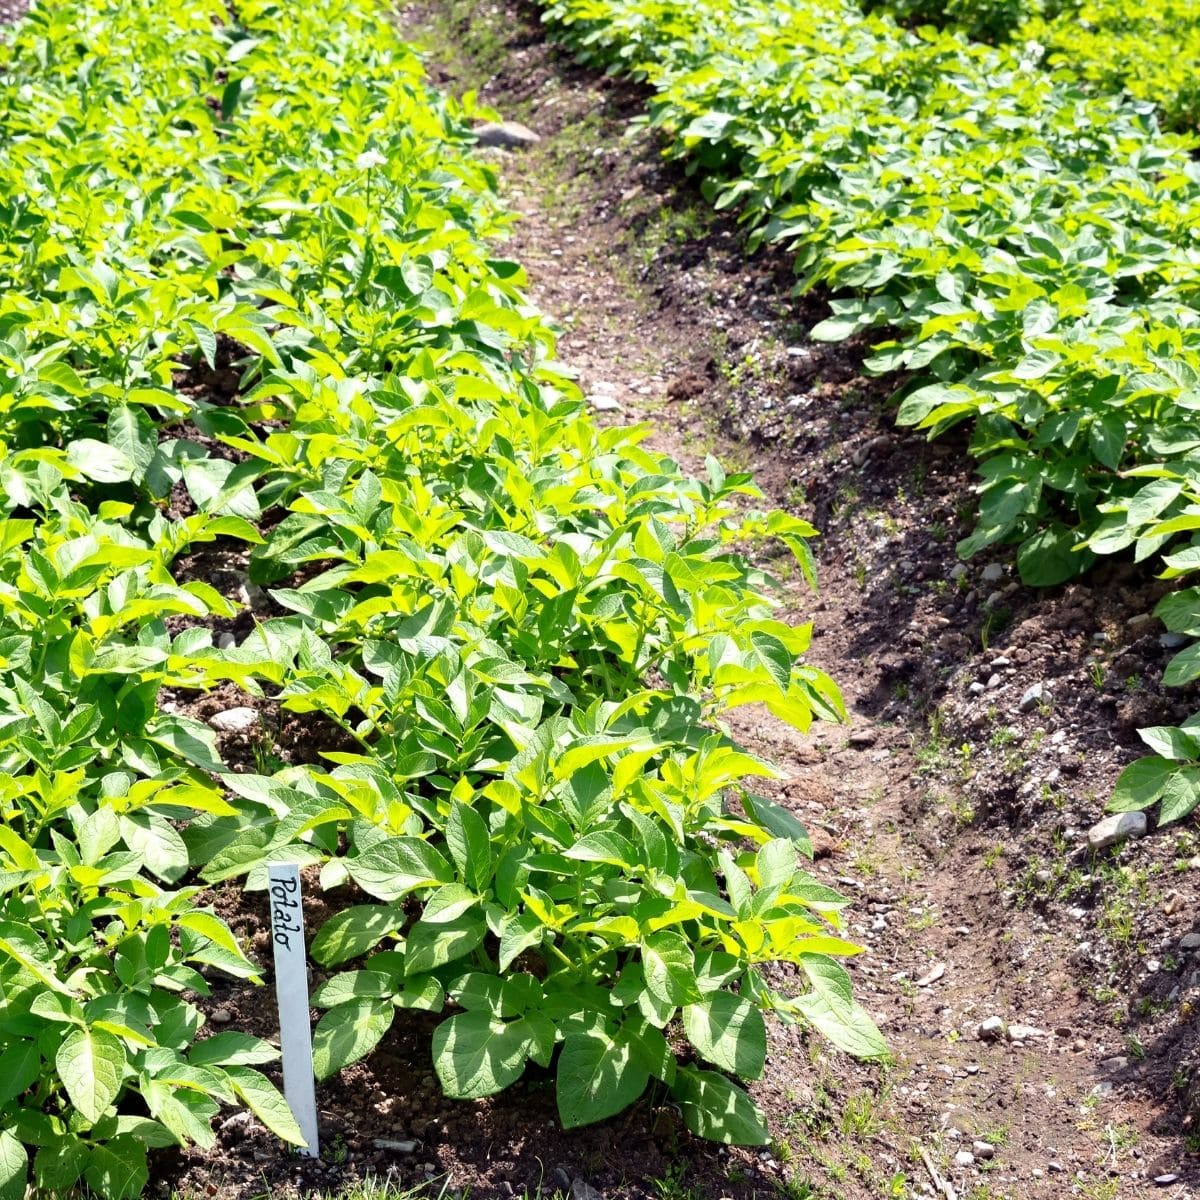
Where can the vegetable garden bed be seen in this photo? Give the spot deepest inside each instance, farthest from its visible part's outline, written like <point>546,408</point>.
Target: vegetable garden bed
<point>282,435</point>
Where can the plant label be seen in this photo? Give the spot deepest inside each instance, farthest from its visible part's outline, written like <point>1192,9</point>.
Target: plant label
<point>291,992</point>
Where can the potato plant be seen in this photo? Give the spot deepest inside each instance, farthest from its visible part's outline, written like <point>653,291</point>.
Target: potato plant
<point>1145,51</point>
<point>1028,262</point>
<point>250,296</point>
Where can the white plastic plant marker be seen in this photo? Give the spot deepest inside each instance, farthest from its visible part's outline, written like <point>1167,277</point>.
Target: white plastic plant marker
<point>291,993</point>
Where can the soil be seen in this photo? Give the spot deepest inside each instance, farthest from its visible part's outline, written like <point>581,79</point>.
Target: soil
<point>952,808</point>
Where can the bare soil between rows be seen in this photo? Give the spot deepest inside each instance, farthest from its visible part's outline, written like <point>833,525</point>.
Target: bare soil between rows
<point>955,819</point>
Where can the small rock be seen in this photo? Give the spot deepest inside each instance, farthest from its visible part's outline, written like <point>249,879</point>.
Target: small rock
<point>958,571</point>
<point>222,1016</point>
<point>508,135</point>
<point>251,595</point>
<point>932,975</point>
<point>990,1030</point>
<point>1190,941</point>
<point>1166,1180</point>
<point>1116,829</point>
<point>1140,623</point>
<point>1043,876</point>
<point>602,402</point>
<point>1024,1033</point>
<point>863,452</point>
<point>1172,641</point>
<point>994,681</point>
<point>1033,697</point>
<point>1118,1062</point>
<point>399,1145</point>
<point>235,720</point>
<point>977,689</point>
<point>239,1120</point>
<point>861,738</point>
<point>1055,1168</point>
<point>225,641</point>
<point>992,572</point>
<point>581,1190</point>
<point>964,1158</point>
<point>984,1150</point>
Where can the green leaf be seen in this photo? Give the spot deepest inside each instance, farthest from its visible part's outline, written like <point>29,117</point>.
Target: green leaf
<point>57,1167</point>
<point>353,985</point>
<point>1170,742</point>
<point>597,1077</point>
<point>1184,667</point>
<point>1141,783</point>
<point>100,462</point>
<point>117,1169</point>
<point>1106,436</point>
<point>716,1109</point>
<point>91,1064</point>
<point>1180,796</point>
<point>1049,557</point>
<point>20,1066</point>
<point>14,1167</point>
<point>775,657</point>
<point>605,846</point>
<point>470,846</point>
<point>1180,611</point>
<point>833,1011</point>
<point>670,969</point>
<point>777,821</point>
<point>519,932</point>
<point>729,1031</point>
<point>132,433</point>
<point>264,1100</point>
<point>232,1048</point>
<point>475,1055</point>
<point>432,944</point>
<point>775,863</point>
<point>349,1032</point>
<point>158,843</point>
<point>393,868</point>
<point>353,931</point>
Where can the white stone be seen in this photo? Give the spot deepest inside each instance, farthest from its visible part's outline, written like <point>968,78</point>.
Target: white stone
<point>991,1029</point>
<point>1023,1033</point>
<point>1116,829</point>
<point>235,720</point>
<point>509,135</point>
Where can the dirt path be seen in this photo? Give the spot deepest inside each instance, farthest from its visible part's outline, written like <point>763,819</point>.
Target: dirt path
<point>952,813</point>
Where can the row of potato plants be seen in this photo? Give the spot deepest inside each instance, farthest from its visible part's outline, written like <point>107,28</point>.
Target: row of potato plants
<point>521,630</point>
<point>1023,250</point>
<point>1145,50</point>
